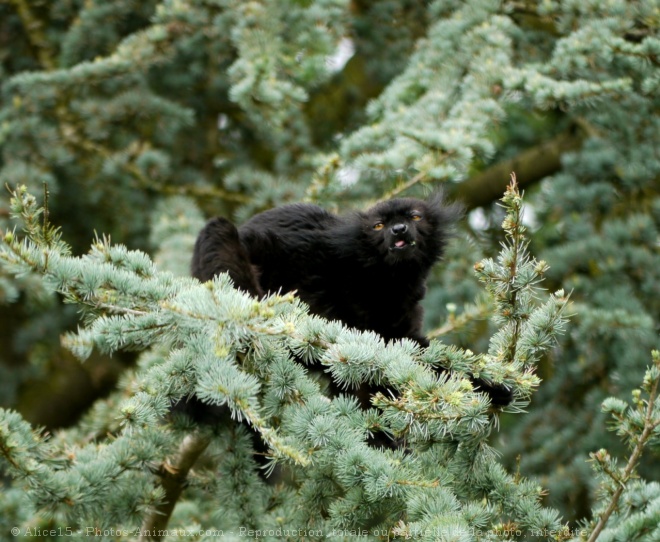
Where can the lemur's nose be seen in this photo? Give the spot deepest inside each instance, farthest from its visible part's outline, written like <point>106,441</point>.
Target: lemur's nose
<point>399,229</point>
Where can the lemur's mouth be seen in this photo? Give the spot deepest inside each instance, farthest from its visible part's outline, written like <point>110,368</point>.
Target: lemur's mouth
<point>402,244</point>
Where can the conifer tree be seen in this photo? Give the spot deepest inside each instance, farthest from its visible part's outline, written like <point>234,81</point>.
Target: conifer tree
<point>123,469</point>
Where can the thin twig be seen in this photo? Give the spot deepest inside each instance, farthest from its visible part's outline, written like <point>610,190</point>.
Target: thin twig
<point>649,428</point>
<point>405,186</point>
<point>455,323</point>
<point>515,235</point>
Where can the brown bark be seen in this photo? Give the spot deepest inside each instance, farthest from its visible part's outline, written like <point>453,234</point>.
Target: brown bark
<point>173,475</point>
<point>530,166</point>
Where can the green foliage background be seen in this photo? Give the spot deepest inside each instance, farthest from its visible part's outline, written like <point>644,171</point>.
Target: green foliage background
<point>144,118</point>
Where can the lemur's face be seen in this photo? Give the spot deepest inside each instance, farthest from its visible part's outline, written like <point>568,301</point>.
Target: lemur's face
<point>399,229</point>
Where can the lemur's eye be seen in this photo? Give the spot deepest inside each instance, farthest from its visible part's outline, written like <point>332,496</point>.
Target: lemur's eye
<point>378,226</point>
<point>415,216</point>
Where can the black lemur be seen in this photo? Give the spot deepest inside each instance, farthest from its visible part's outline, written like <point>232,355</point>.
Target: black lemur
<point>366,269</point>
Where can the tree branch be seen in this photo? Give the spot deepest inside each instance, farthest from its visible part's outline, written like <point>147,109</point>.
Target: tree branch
<point>396,191</point>
<point>649,427</point>
<point>173,476</point>
<point>34,29</point>
<point>141,179</point>
<point>530,166</point>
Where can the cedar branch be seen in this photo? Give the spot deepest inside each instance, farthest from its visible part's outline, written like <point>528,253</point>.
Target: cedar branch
<point>173,476</point>
<point>34,29</point>
<point>649,428</point>
<point>530,166</point>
